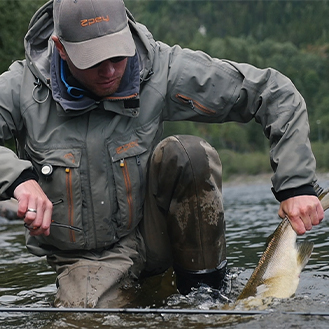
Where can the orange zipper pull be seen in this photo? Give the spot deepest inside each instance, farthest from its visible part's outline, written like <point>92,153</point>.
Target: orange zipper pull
<point>122,163</point>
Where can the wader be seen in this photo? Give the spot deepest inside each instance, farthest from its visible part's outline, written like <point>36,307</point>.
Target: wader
<point>183,213</point>
<point>183,227</point>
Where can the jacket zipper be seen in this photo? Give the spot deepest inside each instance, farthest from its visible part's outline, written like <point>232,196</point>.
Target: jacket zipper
<point>140,171</point>
<point>195,104</point>
<point>69,194</point>
<point>123,165</point>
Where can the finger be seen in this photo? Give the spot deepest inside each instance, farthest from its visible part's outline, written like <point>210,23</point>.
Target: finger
<point>281,213</point>
<point>307,221</point>
<point>39,215</point>
<point>47,215</point>
<point>36,212</point>
<point>297,225</point>
<point>312,216</point>
<point>31,210</point>
<point>30,215</point>
<point>37,230</point>
<point>34,230</point>
<point>22,207</point>
<point>320,213</point>
<point>41,224</point>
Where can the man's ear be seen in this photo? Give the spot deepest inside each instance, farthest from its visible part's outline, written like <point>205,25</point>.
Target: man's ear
<point>59,47</point>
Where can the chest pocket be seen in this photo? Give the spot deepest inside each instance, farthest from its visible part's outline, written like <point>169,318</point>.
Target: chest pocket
<point>129,161</point>
<point>59,177</point>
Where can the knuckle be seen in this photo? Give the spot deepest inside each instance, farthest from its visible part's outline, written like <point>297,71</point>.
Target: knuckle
<point>294,215</point>
<point>304,211</point>
<point>50,205</point>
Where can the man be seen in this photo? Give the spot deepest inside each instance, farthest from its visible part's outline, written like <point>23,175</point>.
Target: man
<point>101,196</point>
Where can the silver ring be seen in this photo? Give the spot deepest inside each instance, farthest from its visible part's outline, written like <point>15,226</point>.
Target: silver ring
<point>32,210</point>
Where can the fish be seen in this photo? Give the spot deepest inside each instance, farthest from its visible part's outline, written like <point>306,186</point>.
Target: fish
<point>278,271</point>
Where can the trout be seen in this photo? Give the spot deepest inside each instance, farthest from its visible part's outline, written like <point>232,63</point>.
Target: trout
<point>278,271</point>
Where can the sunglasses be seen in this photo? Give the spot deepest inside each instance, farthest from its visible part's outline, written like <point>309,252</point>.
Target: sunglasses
<point>74,92</point>
<point>112,60</point>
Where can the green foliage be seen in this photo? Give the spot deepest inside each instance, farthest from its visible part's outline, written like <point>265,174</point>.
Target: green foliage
<point>10,144</point>
<point>179,21</point>
<point>244,164</point>
<point>321,153</point>
<point>15,16</point>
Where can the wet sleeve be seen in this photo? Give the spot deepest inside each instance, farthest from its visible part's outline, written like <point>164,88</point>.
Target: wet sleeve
<point>11,125</point>
<point>204,89</point>
<point>26,175</point>
<point>277,105</point>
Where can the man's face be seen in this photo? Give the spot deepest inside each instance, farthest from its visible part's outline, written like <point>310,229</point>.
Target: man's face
<point>103,79</point>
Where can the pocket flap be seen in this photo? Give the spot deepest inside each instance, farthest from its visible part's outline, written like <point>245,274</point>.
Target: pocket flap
<point>58,157</point>
<point>125,149</point>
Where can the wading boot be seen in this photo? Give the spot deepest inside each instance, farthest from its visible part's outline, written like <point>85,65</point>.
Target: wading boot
<point>186,280</point>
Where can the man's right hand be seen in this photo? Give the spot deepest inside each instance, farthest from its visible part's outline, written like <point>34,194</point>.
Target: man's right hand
<point>34,207</point>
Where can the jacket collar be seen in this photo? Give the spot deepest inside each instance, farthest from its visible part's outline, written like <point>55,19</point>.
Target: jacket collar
<point>128,89</point>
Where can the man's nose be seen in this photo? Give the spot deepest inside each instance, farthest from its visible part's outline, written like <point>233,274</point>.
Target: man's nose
<point>106,68</point>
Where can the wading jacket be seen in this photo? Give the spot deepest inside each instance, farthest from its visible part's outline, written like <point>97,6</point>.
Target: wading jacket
<point>91,155</point>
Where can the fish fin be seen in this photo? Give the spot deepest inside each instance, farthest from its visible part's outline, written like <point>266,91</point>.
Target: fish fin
<point>324,198</point>
<point>285,221</point>
<point>304,250</point>
<point>268,240</point>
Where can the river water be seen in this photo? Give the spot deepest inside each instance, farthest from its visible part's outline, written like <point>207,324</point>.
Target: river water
<point>251,216</point>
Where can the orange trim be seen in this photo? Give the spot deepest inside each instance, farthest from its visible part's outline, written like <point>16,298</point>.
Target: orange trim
<point>124,148</point>
<point>121,98</point>
<point>69,194</point>
<point>195,103</point>
<point>129,192</point>
<point>70,156</point>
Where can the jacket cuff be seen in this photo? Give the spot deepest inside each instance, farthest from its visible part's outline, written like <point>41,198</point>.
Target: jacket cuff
<point>289,193</point>
<point>23,177</point>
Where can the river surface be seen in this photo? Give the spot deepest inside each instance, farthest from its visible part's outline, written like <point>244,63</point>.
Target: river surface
<point>251,216</point>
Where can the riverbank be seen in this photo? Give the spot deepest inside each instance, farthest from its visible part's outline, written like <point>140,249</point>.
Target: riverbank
<point>234,180</point>
<point>247,179</point>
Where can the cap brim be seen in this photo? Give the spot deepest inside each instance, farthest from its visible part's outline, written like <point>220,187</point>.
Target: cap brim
<point>88,53</point>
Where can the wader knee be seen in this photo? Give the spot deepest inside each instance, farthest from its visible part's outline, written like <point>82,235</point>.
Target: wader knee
<point>189,184</point>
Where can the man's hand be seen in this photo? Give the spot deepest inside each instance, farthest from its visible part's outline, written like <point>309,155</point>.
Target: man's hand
<point>303,211</point>
<point>34,207</point>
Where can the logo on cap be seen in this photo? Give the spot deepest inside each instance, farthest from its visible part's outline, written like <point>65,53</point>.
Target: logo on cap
<point>91,21</point>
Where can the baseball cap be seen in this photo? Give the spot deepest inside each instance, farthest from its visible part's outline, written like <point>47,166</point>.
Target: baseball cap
<point>93,30</point>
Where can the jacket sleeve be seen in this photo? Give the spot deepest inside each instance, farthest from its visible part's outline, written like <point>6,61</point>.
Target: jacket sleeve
<point>219,91</point>
<point>11,167</point>
<point>282,112</point>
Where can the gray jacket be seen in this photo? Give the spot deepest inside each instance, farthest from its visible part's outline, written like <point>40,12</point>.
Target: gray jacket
<point>99,149</point>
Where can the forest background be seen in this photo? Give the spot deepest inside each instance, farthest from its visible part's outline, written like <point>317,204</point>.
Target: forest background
<point>290,36</point>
